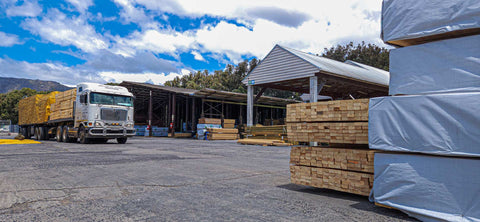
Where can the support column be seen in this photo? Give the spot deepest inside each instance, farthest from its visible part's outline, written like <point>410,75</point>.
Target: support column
<point>223,116</point>
<point>249,105</point>
<point>150,113</point>
<point>194,115</point>
<point>313,89</point>
<point>186,113</point>
<point>174,104</point>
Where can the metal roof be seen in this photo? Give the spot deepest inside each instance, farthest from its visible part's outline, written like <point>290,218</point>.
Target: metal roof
<point>289,69</point>
<point>203,93</point>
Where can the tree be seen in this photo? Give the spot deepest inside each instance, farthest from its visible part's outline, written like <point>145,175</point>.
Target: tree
<point>9,103</point>
<point>369,54</point>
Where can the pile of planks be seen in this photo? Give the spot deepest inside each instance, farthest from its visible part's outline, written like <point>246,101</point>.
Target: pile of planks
<point>227,123</point>
<point>278,132</point>
<point>347,169</point>
<point>35,109</point>
<point>341,121</point>
<point>263,142</point>
<point>63,106</point>
<point>222,134</point>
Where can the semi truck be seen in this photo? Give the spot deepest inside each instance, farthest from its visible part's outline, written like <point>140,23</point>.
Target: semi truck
<point>89,112</point>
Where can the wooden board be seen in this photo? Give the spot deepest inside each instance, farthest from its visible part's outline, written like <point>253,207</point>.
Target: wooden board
<point>221,136</point>
<point>228,125</point>
<point>329,132</point>
<point>360,160</point>
<point>447,35</point>
<point>263,142</point>
<point>338,110</point>
<point>220,130</point>
<point>340,180</point>
<point>181,135</point>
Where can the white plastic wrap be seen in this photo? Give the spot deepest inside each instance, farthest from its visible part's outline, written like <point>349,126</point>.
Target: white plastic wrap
<point>451,65</point>
<point>445,124</point>
<point>410,19</point>
<point>430,188</point>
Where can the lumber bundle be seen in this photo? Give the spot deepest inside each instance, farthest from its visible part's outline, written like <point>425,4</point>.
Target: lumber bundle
<point>222,134</point>
<point>35,109</point>
<point>360,160</point>
<point>340,180</point>
<point>329,132</point>
<point>63,106</point>
<point>263,142</point>
<point>338,110</point>
<point>227,123</point>
<point>181,135</point>
<point>341,121</point>
<point>278,132</point>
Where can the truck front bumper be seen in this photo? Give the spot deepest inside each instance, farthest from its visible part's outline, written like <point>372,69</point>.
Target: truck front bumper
<point>110,132</point>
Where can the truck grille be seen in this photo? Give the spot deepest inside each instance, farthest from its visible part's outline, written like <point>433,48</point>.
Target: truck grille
<point>114,114</point>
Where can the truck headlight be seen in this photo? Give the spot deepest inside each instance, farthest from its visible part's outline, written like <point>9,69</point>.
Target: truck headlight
<point>128,125</point>
<point>98,124</point>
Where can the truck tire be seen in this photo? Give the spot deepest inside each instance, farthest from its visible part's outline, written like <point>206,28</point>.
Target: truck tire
<point>122,140</point>
<point>36,133</point>
<point>41,133</point>
<point>82,135</point>
<point>59,133</point>
<point>65,136</point>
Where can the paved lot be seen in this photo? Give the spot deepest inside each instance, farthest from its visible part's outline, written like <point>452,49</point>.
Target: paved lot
<point>161,179</point>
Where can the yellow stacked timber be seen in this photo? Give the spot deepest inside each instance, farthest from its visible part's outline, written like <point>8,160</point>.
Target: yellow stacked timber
<point>229,123</point>
<point>222,134</point>
<point>338,110</point>
<point>340,180</point>
<point>278,132</point>
<point>329,132</point>
<point>63,107</point>
<point>341,121</point>
<point>360,160</point>
<point>210,121</point>
<point>35,109</point>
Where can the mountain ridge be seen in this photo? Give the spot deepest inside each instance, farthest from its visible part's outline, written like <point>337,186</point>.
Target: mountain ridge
<point>8,84</point>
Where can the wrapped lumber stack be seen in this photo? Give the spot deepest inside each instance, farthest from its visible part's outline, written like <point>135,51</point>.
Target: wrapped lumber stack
<point>35,109</point>
<point>222,134</point>
<point>63,106</point>
<point>336,123</point>
<point>332,122</point>
<point>431,123</point>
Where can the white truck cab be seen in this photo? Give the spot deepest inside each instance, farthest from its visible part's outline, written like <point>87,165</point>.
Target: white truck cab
<point>103,112</point>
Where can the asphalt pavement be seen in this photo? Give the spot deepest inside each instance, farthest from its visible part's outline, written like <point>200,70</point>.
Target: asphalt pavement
<point>165,179</point>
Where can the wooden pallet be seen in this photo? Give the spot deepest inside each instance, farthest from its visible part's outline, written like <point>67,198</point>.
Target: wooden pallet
<point>340,180</point>
<point>329,132</point>
<point>339,110</point>
<point>360,160</point>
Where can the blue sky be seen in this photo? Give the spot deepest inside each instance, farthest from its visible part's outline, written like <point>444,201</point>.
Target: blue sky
<point>142,40</point>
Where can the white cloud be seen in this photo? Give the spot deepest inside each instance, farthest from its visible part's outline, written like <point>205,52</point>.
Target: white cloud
<point>155,78</point>
<point>7,39</point>
<point>56,27</point>
<point>27,9</point>
<point>156,41</point>
<point>81,5</point>
<point>198,56</point>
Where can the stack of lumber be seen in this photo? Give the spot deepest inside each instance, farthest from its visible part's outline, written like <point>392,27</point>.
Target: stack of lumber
<point>263,142</point>
<point>35,109</point>
<point>229,123</point>
<point>278,132</point>
<point>342,121</point>
<point>347,169</point>
<point>63,106</point>
<point>222,134</point>
<point>180,135</point>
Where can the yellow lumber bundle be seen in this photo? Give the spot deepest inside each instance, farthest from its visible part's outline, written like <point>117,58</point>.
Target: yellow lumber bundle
<point>222,134</point>
<point>63,107</point>
<point>35,109</point>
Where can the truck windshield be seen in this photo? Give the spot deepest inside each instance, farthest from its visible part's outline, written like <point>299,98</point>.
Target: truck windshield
<point>108,99</point>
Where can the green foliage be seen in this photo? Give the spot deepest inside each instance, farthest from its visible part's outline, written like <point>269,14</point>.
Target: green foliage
<point>370,54</point>
<point>9,103</point>
<point>112,84</point>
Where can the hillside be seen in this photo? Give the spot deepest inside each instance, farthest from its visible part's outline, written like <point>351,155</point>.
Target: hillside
<point>8,84</point>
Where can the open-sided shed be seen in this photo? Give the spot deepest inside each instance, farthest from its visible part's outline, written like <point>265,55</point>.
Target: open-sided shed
<point>289,69</point>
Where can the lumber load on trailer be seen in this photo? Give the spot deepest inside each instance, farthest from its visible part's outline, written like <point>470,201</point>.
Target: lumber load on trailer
<point>63,106</point>
<point>338,110</point>
<point>340,180</point>
<point>360,160</point>
<point>35,109</point>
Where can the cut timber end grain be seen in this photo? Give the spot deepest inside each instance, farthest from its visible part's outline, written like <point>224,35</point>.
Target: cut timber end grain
<point>330,132</point>
<point>360,160</point>
<point>338,110</point>
<point>340,180</point>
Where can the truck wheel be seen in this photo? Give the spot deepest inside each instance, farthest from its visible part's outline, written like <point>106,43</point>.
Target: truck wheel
<point>65,136</point>
<point>58,134</point>
<point>36,133</point>
<point>41,133</point>
<point>83,135</point>
<point>122,140</point>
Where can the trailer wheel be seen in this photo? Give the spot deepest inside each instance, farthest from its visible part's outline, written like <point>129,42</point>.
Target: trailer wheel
<point>122,140</point>
<point>83,135</point>
<point>41,133</point>
<point>58,134</point>
<point>36,133</point>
